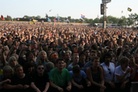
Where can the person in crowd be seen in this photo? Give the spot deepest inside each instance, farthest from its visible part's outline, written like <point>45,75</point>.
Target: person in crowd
<point>75,61</point>
<point>53,57</point>
<point>89,63</point>
<point>8,73</point>
<point>18,38</point>
<point>135,68</point>
<point>49,67</point>
<point>82,60</point>
<point>13,61</point>
<point>96,76</point>
<point>20,82</point>
<point>60,79</point>
<point>4,56</point>
<point>123,75</point>
<point>66,54</point>
<point>80,83</point>
<point>40,80</point>
<point>109,70</point>
<point>88,54</point>
<point>42,58</point>
<point>29,69</point>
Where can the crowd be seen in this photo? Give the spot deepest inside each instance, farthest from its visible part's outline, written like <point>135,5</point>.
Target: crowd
<point>44,57</point>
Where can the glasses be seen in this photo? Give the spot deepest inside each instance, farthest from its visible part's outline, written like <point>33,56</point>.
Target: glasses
<point>109,71</point>
<point>40,68</point>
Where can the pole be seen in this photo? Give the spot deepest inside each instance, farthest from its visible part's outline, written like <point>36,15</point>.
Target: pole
<point>104,17</point>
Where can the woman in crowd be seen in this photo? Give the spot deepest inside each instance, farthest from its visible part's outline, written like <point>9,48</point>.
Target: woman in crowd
<point>13,61</point>
<point>96,76</point>
<point>42,58</point>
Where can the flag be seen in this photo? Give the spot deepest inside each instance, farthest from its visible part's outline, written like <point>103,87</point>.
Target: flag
<point>46,15</point>
<point>58,18</point>
<point>2,18</point>
<point>50,10</point>
<point>129,9</point>
<point>49,20</point>
<point>82,16</point>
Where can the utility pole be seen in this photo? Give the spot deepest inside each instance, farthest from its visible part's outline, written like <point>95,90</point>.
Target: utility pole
<point>104,11</point>
<point>104,17</point>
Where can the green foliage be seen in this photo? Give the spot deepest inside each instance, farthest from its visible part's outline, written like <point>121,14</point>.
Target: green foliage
<point>123,21</point>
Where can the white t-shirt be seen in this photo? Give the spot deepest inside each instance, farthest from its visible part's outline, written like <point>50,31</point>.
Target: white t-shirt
<point>120,72</point>
<point>108,71</point>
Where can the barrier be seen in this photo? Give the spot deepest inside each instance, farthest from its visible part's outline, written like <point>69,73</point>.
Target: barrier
<point>134,86</point>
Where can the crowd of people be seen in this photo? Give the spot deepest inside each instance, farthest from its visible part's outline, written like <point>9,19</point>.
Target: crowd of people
<point>45,57</point>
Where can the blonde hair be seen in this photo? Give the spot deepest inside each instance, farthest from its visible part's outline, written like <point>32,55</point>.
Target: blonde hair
<point>40,54</point>
<point>11,59</point>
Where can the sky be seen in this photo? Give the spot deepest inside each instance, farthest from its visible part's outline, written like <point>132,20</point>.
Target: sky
<point>65,8</point>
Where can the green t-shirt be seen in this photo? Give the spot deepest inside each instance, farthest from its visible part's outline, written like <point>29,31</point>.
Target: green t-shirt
<point>60,78</point>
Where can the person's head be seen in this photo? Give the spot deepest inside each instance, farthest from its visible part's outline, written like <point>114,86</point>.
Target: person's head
<point>19,71</point>
<point>76,70</point>
<point>82,57</point>
<point>67,54</point>
<point>124,62</point>
<point>6,50</point>
<point>93,53</point>
<point>54,56</point>
<point>42,55</point>
<point>49,66</point>
<point>87,52</point>
<point>107,57</point>
<point>60,63</point>
<point>12,61</point>
<point>8,71</point>
<point>75,58</point>
<point>96,61</point>
<point>131,61</point>
<point>40,69</point>
<point>30,55</point>
<point>29,67</point>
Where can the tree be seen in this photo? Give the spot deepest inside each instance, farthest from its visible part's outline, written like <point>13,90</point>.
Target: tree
<point>133,19</point>
<point>8,18</point>
<point>122,21</point>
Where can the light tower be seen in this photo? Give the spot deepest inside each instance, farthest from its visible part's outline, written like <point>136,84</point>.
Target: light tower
<point>103,11</point>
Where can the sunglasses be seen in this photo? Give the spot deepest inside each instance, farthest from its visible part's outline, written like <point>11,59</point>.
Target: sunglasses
<point>40,68</point>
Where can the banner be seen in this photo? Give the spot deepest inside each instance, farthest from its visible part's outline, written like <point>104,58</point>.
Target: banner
<point>82,16</point>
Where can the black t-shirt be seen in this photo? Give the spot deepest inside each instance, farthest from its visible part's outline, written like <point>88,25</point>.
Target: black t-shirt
<point>40,81</point>
<point>23,81</point>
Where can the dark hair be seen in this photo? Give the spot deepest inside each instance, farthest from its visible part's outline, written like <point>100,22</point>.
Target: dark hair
<point>76,69</point>
<point>59,59</point>
<point>107,55</point>
<point>124,60</point>
<point>17,66</point>
<point>95,57</point>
